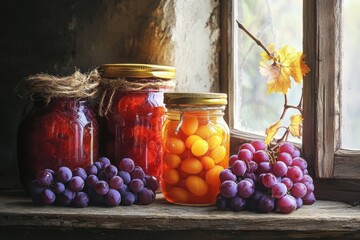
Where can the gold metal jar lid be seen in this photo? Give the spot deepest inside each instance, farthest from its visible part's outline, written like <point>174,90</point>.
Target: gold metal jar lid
<point>195,98</point>
<point>134,70</point>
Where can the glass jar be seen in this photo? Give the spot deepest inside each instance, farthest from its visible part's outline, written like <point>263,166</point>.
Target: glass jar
<point>63,132</point>
<point>196,147</point>
<point>134,97</point>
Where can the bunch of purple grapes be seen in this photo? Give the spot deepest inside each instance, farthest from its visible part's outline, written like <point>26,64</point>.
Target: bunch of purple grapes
<point>265,181</point>
<point>98,184</point>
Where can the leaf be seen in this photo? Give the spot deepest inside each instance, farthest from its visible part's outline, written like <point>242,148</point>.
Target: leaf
<point>278,78</point>
<point>282,65</point>
<point>295,125</point>
<point>271,131</point>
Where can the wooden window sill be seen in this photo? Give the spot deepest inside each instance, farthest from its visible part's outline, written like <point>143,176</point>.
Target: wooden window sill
<point>324,219</point>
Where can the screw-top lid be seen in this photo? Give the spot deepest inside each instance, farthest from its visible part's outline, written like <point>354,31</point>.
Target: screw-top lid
<point>133,70</point>
<point>195,98</point>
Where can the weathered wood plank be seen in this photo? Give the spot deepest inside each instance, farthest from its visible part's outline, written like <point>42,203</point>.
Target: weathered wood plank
<point>162,216</point>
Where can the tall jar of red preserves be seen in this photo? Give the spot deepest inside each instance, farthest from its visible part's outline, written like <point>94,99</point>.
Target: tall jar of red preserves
<point>133,112</point>
<point>61,128</point>
<point>196,147</point>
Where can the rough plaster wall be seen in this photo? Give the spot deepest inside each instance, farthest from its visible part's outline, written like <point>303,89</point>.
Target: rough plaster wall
<point>196,39</point>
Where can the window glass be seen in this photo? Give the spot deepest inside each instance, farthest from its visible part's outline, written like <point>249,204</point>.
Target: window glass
<point>278,22</point>
<point>350,110</point>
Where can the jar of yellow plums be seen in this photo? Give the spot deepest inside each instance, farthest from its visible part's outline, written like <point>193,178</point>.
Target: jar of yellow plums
<point>196,147</point>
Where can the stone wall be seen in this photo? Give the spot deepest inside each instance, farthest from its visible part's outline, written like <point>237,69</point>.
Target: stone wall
<point>58,36</point>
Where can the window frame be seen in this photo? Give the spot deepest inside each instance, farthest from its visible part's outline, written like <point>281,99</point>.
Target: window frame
<point>336,171</point>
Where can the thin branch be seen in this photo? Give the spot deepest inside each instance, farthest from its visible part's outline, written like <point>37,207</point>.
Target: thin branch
<point>258,42</point>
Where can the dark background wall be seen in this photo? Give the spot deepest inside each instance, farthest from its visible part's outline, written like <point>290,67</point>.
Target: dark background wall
<point>57,36</point>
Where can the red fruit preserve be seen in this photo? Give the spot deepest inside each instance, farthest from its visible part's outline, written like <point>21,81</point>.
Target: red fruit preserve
<point>63,132</point>
<point>133,112</point>
<point>61,128</point>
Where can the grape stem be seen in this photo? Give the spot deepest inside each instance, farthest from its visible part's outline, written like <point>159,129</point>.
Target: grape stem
<point>258,42</point>
<point>286,106</point>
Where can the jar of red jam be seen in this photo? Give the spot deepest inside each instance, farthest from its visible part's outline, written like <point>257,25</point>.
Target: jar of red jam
<point>196,147</point>
<point>63,132</point>
<point>60,128</point>
<point>133,112</point>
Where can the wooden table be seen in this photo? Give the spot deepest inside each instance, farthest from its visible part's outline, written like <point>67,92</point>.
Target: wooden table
<point>20,219</point>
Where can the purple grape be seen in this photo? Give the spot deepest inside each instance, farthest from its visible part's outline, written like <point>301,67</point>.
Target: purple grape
<point>58,187</point>
<point>237,203</point>
<point>295,174</point>
<point>259,184</point>
<point>125,176</point>
<point>269,180</point>
<point>91,180</point>
<point>252,166</point>
<point>80,172</point>
<point>300,162</point>
<point>47,197</point>
<point>116,182</point>
<point>102,175</point>
<point>288,183</point>
<point>251,176</point>
<point>254,199</point>
<point>76,183</point>
<point>81,200</point>
<point>136,185</point>
<point>307,178</point>
<point>287,147</point>
<point>266,204</point>
<point>111,171</point>
<point>91,170</point>
<point>44,178</point>
<point>245,188</point>
<point>296,153</point>
<point>298,190</point>
<point>105,161</point>
<point>279,190</point>
<point>113,198</point>
<point>221,203</point>
<point>98,165</point>
<point>239,168</point>
<point>66,198</point>
<point>279,168</point>
<point>152,183</point>
<point>285,157</point>
<point>146,196</point>
<point>137,173</point>
<point>101,187</point>
<point>35,188</point>
<point>264,167</point>
<point>127,198</point>
<point>124,188</point>
<point>309,199</point>
<point>232,159</point>
<point>248,146</point>
<point>258,145</point>
<point>299,203</point>
<point>309,187</point>
<point>63,174</point>
<point>126,164</point>
<point>286,204</point>
<point>50,171</point>
<point>228,189</point>
<point>245,155</point>
<point>260,156</point>
<point>227,174</point>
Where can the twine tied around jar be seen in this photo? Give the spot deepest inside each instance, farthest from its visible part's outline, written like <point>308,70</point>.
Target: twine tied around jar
<point>77,85</point>
<point>111,85</point>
